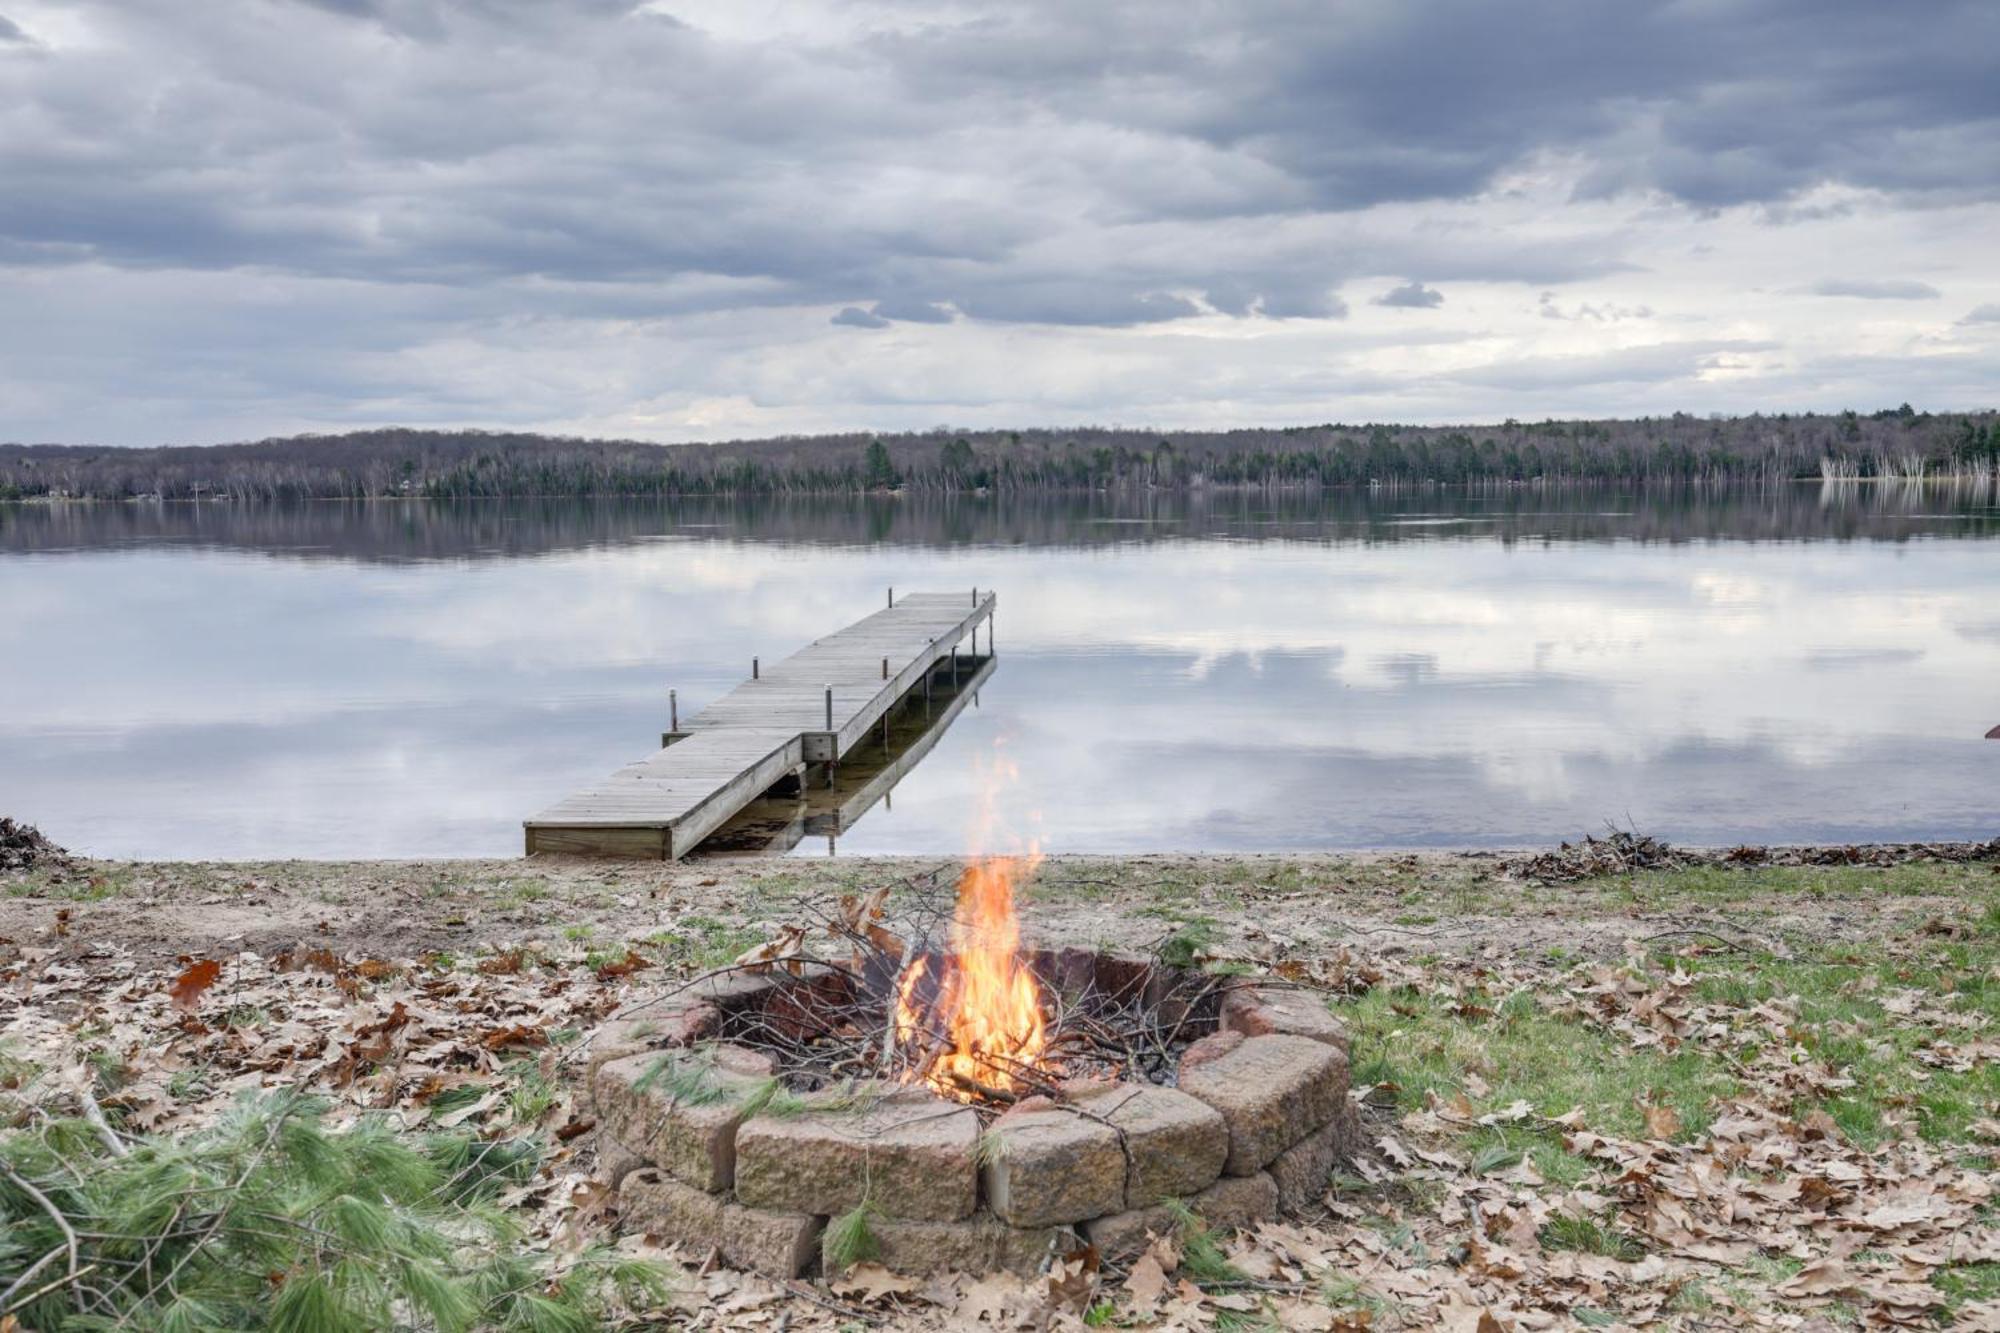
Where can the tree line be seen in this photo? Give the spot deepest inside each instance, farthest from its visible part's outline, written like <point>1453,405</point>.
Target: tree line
<point>367,464</point>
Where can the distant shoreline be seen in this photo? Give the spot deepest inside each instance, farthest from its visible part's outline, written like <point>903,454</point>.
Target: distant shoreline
<point>1901,444</point>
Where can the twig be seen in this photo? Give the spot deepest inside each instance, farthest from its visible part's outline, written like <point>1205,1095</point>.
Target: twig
<point>7,1297</point>
<point>804,1292</point>
<point>46,1288</point>
<point>1723,940</point>
<point>95,1115</point>
<point>55,1215</point>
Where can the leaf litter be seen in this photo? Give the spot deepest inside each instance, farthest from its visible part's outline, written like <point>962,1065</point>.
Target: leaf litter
<point>1759,1211</point>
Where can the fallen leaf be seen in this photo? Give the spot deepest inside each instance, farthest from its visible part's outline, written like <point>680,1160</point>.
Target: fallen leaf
<point>869,1283</point>
<point>187,989</point>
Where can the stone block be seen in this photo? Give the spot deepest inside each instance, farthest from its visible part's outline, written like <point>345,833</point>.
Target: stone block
<point>909,1154</point>
<point>1050,1166</point>
<point>663,1026</point>
<point>781,1245</point>
<point>1302,1170</point>
<point>1272,1091</point>
<point>614,1160</point>
<point>1258,1011</point>
<point>678,1214</point>
<point>690,1137</point>
<point>1175,1144</point>
<point>775,1244</point>
<point>1228,1205</point>
<point>1212,1047</point>
<point>732,992</point>
<point>981,1244</point>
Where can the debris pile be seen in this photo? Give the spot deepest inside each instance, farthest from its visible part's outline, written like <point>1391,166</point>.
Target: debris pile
<point>1619,854</point>
<point>23,847</point>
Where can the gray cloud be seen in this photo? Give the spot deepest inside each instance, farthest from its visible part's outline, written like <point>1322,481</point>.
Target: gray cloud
<point>1877,289</point>
<point>857,318</point>
<point>710,179</point>
<point>1413,296</point>
<point>10,31</point>
<point>914,312</point>
<point>1983,314</point>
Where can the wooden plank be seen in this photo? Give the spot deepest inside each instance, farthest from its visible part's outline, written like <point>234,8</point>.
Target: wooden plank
<point>731,752</point>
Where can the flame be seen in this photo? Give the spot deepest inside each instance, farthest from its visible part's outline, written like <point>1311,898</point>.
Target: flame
<point>986,1021</point>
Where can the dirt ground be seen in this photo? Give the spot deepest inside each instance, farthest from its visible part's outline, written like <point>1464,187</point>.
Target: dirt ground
<point>1614,1086</point>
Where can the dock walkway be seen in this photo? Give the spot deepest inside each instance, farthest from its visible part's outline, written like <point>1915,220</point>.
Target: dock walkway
<point>811,708</point>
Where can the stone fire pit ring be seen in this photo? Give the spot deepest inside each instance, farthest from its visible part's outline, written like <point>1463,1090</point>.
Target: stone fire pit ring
<point>709,1150</point>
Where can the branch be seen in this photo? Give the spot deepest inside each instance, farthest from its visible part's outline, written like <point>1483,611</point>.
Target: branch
<point>55,1215</point>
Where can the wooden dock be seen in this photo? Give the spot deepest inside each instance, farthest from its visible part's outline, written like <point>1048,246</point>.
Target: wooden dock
<point>806,711</point>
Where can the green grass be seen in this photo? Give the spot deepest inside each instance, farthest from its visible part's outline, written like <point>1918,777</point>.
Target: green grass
<point>71,886</point>
<point>1587,1235</point>
<point>701,942</point>
<point>1657,890</point>
<point>1521,1052</point>
<point>1842,1020</point>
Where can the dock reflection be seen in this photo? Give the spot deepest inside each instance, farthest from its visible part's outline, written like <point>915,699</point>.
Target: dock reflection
<point>778,822</point>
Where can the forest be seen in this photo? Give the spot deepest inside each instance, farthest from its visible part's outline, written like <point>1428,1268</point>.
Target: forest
<point>1900,442</point>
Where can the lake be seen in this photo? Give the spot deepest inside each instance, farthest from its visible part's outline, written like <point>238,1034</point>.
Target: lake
<point>1223,672</point>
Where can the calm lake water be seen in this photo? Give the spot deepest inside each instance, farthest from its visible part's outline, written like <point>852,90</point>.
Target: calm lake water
<point>1222,673</point>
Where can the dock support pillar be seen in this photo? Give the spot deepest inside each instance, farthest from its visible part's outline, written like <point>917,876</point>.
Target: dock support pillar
<point>755,670</point>
<point>673,710</point>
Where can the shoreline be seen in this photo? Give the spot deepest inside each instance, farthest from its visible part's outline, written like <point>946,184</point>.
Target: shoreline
<point>1453,900</point>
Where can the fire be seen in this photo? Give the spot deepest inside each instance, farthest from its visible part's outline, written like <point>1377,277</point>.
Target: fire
<point>985,1023</point>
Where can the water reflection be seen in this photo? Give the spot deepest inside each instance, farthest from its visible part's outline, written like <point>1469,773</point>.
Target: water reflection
<point>1228,672</point>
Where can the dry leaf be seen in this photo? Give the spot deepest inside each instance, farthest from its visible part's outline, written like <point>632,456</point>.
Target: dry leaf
<point>1662,1121</point>
<point>1146,1285</point>
<point>869,1283</point>
<point>187,989</point>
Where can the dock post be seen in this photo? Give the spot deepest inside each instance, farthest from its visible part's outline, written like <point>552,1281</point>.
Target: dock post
<point>755,674</point>
<point>829,708</point>
<point>892,597</point>
<point>975,643</point>
<point>673,710</point>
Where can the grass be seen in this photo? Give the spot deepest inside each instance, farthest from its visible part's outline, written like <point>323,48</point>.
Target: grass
<point>702,942</point>
<point>1429,1046</point>
<point>1587,1235</point>
<point>1891,1011</point>
<point>70,887</point>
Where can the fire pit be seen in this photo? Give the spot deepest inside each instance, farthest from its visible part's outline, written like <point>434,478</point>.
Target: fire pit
<point>947,1099</point>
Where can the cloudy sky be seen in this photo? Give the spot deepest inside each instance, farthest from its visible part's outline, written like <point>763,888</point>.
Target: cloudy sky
<point>698,219</point>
